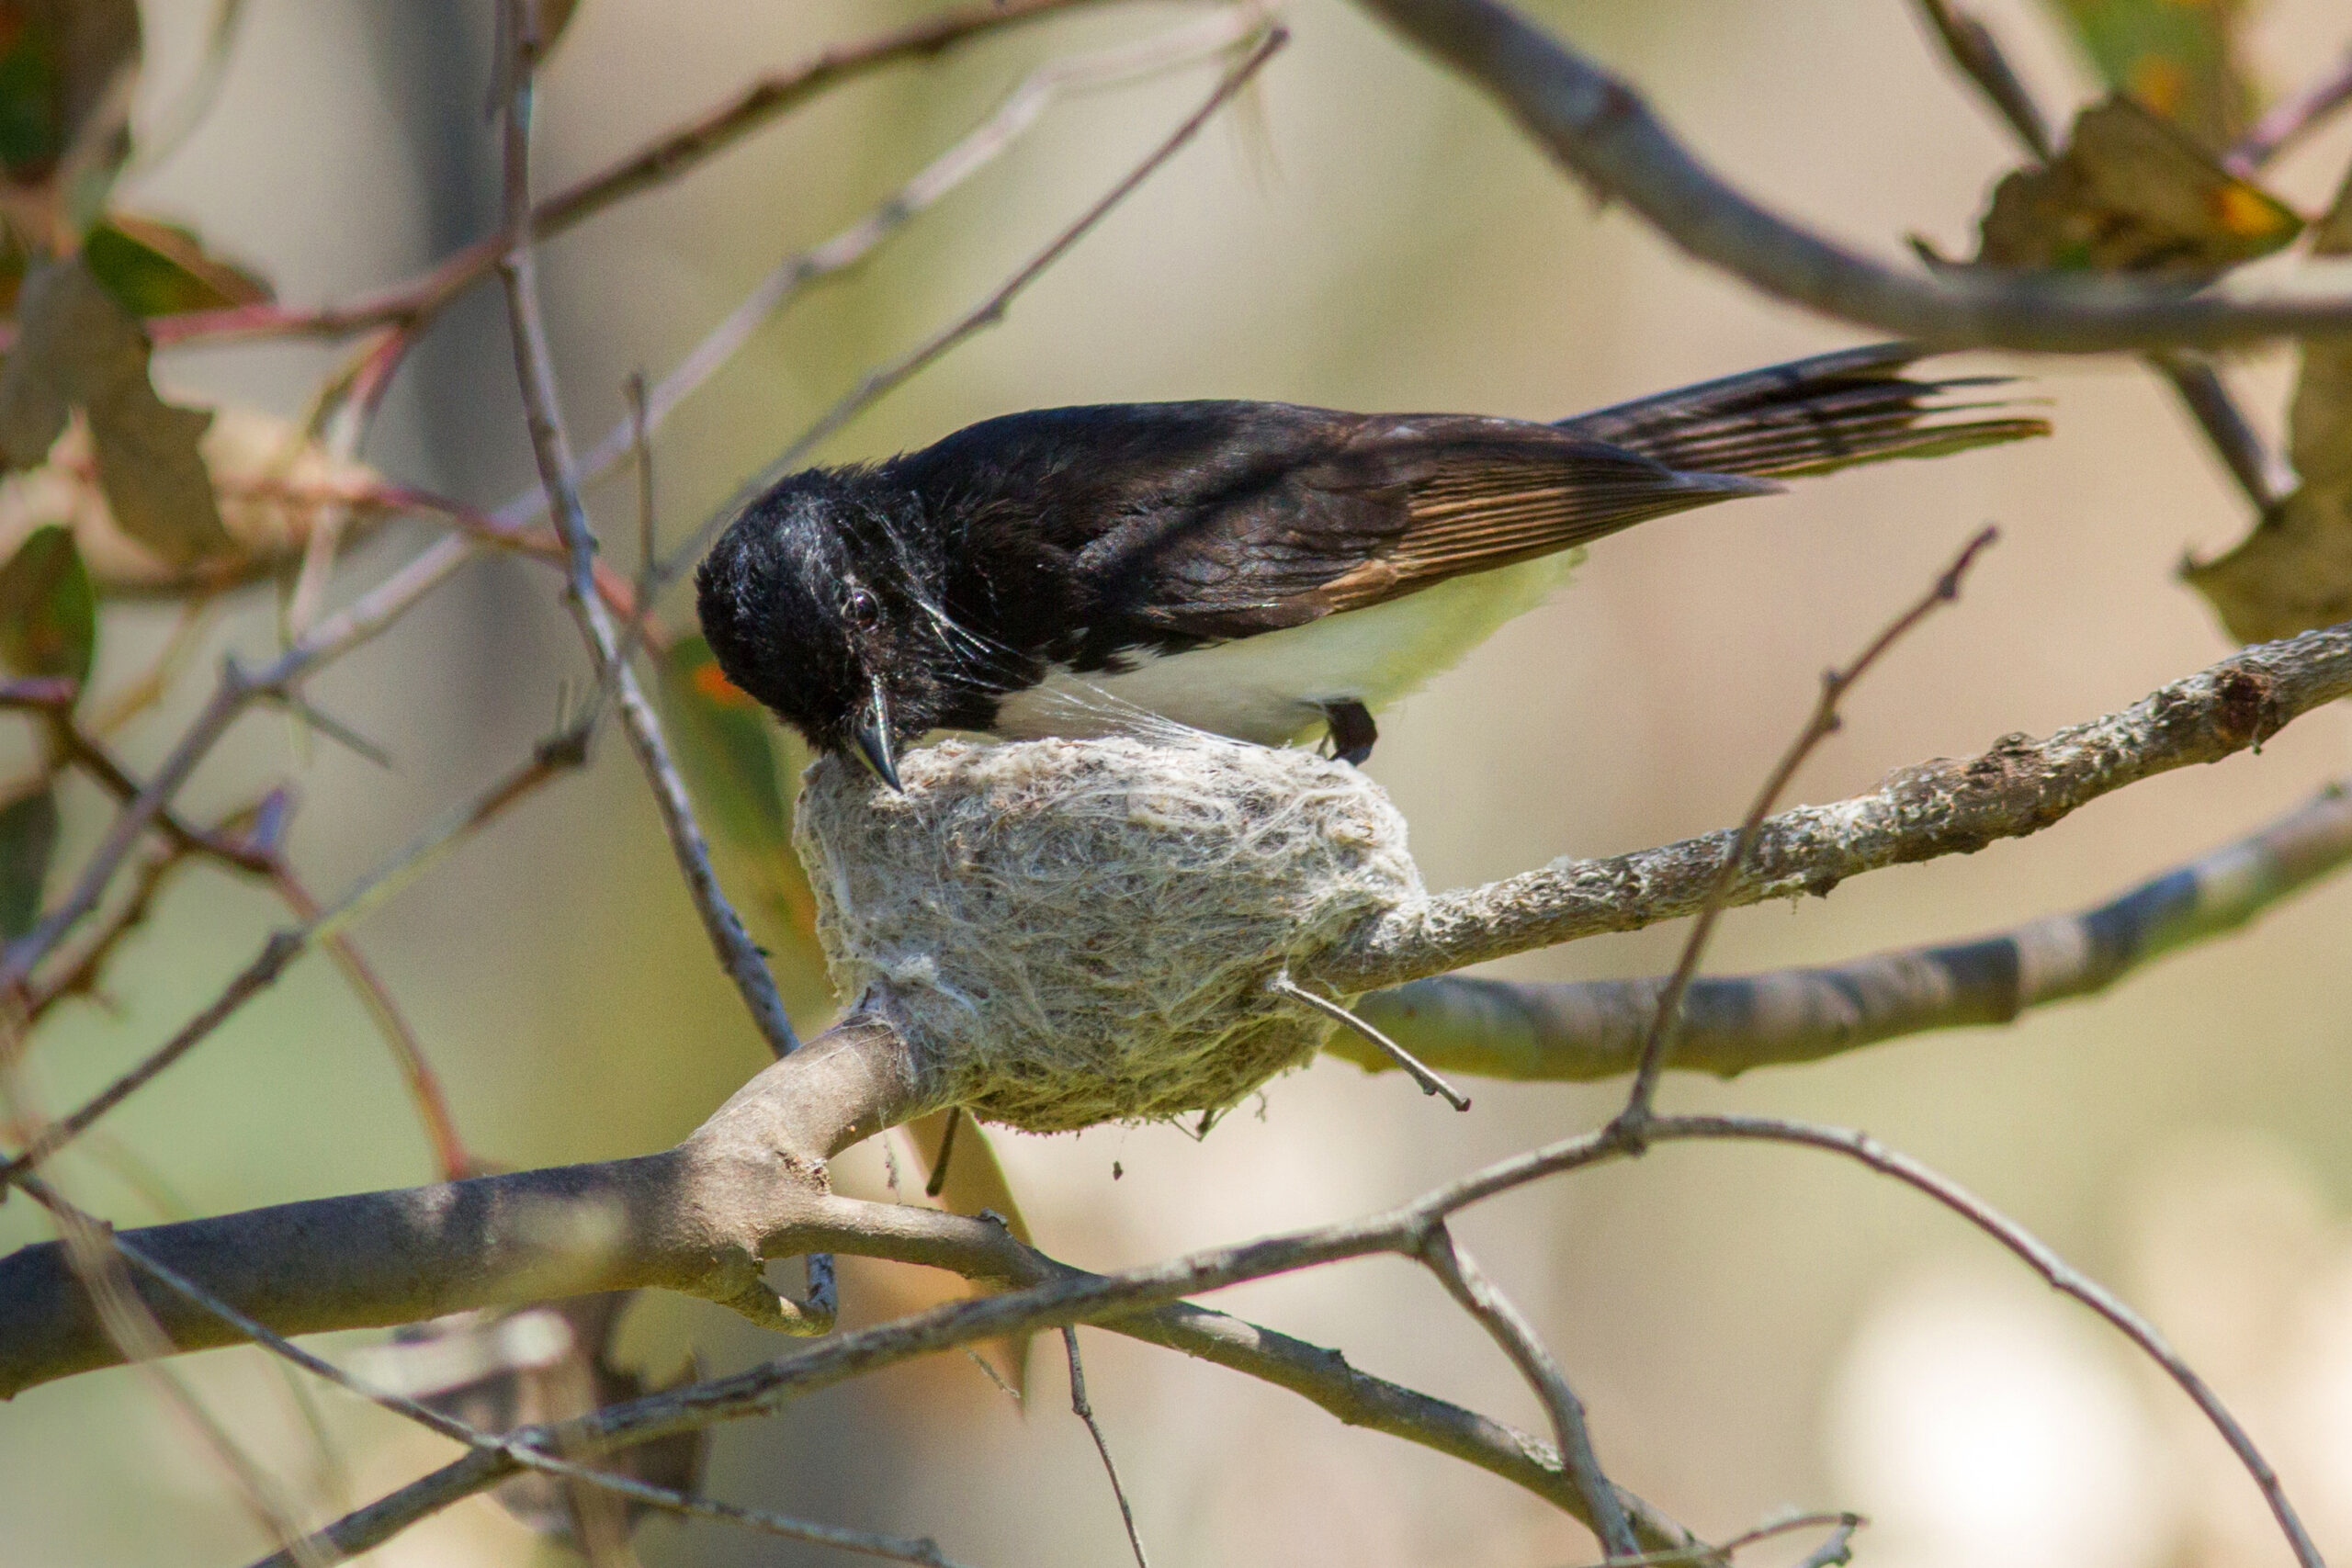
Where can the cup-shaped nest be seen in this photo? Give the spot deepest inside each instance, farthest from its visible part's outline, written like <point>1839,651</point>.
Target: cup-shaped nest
<point>1072,932</point>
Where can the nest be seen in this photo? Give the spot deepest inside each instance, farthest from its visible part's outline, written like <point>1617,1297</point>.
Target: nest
<point>1073,933</point>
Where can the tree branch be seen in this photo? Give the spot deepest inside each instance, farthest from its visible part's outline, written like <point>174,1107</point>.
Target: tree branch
<point>1577,1030</point>
<point>1600,129</point>
<point>1934,808</point>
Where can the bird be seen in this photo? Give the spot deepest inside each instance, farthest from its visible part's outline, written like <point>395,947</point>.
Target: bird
<point>1266,571</point>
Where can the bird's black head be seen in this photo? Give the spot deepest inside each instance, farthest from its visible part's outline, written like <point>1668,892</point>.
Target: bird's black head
<point>823,601</point>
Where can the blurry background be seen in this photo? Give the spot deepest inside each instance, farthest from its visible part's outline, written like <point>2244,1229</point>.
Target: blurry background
<point>1751,1328</point>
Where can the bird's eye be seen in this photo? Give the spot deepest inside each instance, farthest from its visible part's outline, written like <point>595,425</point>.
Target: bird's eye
<point>861,610</point>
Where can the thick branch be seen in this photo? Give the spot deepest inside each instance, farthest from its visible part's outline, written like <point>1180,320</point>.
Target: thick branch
<point>1602,131</point>
<point>1577,1030</point>
<point>749,1183</point>
<point>1935,808</point>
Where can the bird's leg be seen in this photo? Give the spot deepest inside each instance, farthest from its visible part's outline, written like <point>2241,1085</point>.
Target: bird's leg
<point>1349,724</point>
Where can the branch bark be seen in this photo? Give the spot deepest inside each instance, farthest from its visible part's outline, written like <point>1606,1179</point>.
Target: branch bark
<point>1935,808</point>
<point>1599,128</point>
<point>1580,1030</point>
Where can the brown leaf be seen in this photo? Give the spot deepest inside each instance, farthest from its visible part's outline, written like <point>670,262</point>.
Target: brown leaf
<point>2294,572</point>
<point>2131,193</point>
<point>274,483</point>
<point>77,347</point>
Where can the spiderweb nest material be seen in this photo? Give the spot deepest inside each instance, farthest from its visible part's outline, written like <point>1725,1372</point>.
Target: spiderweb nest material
<point>1073,933</point>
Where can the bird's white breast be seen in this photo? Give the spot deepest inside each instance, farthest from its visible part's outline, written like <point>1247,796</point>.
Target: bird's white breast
<point>1270,688</point>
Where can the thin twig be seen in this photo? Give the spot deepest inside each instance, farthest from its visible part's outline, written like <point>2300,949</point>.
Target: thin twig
<point>980,147</point>
<point>518,1446</point>
<point>1819,726</point>
<point>1973,49</point>
<point>1840,1525</point>
<point>2060,1275</point>
<point>1598,127</point>
<point>560,754</point>
<point>1284,986</point>
<point>1502,1320</point>
<point>664,158</point>
<point>1085,1412</point>
<point>987,313</point>
<point>2198,382</point>
<point>2290,118</point>
<point>551,448</point>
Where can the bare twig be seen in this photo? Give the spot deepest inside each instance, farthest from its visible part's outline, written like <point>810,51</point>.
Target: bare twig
<point>2289,119</point>
<point>1819,726</point>
<point>980,148</point>
<point>1085,1412</point>
<point>1547,1031</point>
<point>551,758</point>
<point>1973,49</point>
<point>2061,1276</point>
<point>1284,986</point>
<point>550,445</point>
<point>411,305</point>
<point>516,1445</point>
<point>1598,127</point>
<point>1502,1320</point>
<point>987,313</point>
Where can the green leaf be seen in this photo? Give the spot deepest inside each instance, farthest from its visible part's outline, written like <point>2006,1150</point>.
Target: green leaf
<point>77,347</point>
<point>733,757</point>
<point>66,69</point>
<point>2129,193</point>
<point>27,839</point>
<point>154,269</point>
<point>2176,58</point>
<point>47,614</point>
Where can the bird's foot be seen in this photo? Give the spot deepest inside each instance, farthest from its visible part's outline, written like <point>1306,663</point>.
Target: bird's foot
<point>1349,725</point>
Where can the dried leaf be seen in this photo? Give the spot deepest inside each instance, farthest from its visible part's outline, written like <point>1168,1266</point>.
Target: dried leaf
<point>48,617</point>
<point>496,1372</point>
<point>2177,57</point>
<point>154,268</point>
<point>66,71</point>
<point>975,1182</point>
<point>274,484</point>
<point>2294,572</point>
<point>77,347</point>
<point>27,839</point>
<point>2131,193</point>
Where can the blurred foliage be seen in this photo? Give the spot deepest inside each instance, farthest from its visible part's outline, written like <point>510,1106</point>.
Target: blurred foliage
<point>154,268</point>
<point>2178,59</point>
<point>28,839</point>
<point>47,615</point>
<point>66,71</point>
<point>2131,193</point>
<point>2294,572</point>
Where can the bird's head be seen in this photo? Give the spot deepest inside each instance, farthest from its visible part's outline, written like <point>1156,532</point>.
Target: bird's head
<point>823,601</point>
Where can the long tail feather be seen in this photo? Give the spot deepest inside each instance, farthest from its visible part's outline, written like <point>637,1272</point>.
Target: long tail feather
<point>1808,416</point>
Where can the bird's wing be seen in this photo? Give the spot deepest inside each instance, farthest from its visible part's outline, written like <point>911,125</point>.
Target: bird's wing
<point>1374,508</point>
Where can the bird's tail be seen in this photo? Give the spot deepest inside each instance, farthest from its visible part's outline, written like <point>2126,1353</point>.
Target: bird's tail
<point>1808,416</point>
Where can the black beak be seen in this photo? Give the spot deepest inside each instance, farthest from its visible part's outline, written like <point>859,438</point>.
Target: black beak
<point>873,737</point>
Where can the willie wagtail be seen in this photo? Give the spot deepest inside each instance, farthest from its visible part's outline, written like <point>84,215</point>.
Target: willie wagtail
<point>1261,570</point>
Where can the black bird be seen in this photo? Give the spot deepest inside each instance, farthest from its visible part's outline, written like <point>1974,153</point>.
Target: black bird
<point>1261,570</point>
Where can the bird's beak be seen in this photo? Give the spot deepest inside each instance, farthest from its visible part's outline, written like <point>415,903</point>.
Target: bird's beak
<point>873,737</point>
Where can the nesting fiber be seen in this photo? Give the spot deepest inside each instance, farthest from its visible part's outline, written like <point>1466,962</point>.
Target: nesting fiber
<point>1082,931</point>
